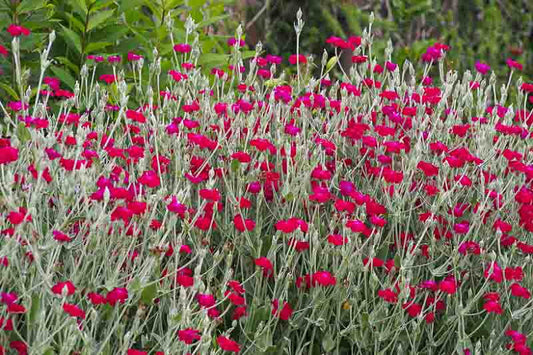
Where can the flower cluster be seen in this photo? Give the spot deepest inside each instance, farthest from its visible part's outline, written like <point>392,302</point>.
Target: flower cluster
<point>240,208</point>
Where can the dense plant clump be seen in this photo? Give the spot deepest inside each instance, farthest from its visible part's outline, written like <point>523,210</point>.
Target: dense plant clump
<point>249,211</point>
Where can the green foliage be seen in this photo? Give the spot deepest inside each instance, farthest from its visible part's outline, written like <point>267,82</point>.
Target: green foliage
<point>489,31</point>
<point>106,27</point>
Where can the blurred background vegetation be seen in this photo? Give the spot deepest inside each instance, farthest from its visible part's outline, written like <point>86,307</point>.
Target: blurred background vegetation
<point>486,30</point>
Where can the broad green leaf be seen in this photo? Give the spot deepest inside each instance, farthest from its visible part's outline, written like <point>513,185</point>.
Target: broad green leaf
<point>327,342</point>
<point>129,5</point>
<point>10,91</point>
<point>213,19</point>
<point>64,76</point>
<point>33,314</point>
<point>80,26</point>
<point>264,340</point>
<point>248,54</point>
<point>30,5</point>
<point>100,4</point>
<point>172,4</point>
<point>97,46</point>
<point>207,45</point>
<point>195,4</point>
<point>213,59</point>
<point>149,293</point>
<point>65,61</point>
<point>144,41</point>
<point>23,134</point>
<point>99,18</point>
<point>154,8</point>
<point>383,252</point>
<point>79,6</point>
<point>235,165</point>
<point>109,33</point>
<point>72,38</point>
<point>398,261</point>
<point>135,285</point>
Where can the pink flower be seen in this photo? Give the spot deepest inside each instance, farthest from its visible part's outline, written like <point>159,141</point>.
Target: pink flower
<point>189,335</point>
<point>118,294</point>
<point>391,66</point>
<point>239,312</point>
<point>61,237</point>
<point>136,352</point>
<point>132,57</point>
<point>3,51</point>
<point>469,247</point>
<point>8,155</point>
<point>482,67</point>
<point>413,309</point>
<point>233,41</point>
<point>68,286</point>
<point>242,224</point>
<point>114,59</point>
<point>183,48</point>
<point>286,311</point>
<point>337,239</point>
<point>519,291</point>
<point>428,169</point>
<point>8,298</point>
<point>462,227</point>
<point>323,278</point>
<point>359,59</point>
<point>388,295</point>
<point>19,347</point>
<point>16,308</point>
<point>16,31</point>
<point>150,179</point>
<point>17,218</point>
<point>496,274</point>
<point>293,59</point>
<point>514,64</point>
<point>516,274</point>
<point>228,345</point>
<point>108,78</point>
<point>493,307</point>
<point>266,265</point>
<point>205,300</point>
<point>448,286</point>
<point>96,298</point>
<point>184,277</point>
<point>96,58</point>
<point>516,336</point>
<point>135,116</point>
<point>273,59</point>
<point>73,310</point>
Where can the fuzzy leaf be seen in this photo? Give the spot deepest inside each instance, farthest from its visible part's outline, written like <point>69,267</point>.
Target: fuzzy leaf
<point>23,134</point>
<point>34,309</point>
<point>149,293</point>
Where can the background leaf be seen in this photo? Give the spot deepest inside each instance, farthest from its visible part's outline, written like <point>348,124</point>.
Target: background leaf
<point>99,18</point>
<point>64,76</point>
<point>72,38</point>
